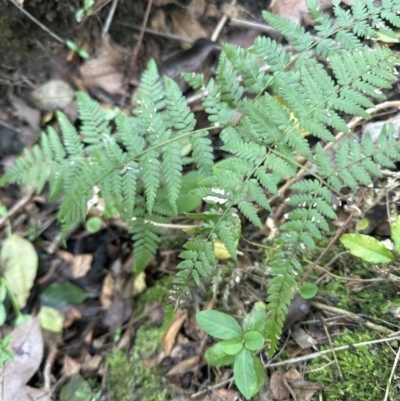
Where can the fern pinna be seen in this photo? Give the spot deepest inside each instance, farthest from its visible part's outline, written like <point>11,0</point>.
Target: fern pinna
<point>262,100</point>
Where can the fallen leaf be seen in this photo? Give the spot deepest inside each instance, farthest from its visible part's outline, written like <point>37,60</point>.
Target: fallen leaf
<point>303,339</point>
<point>277,387</point>
<point>189,364</point>
<point>26,113</point>
<point>70,366</point>
<point>186,26</point>
<point>81,264</point>
<point>169,337</point>
<point>105,70</point>
<point>27,348</point>
<point>295,10</point>
<point>19,261</point>
<point>300,389</point>
<point>107,291</point>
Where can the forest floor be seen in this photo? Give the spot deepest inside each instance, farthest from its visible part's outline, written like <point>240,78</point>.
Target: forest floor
<point>103,335</point>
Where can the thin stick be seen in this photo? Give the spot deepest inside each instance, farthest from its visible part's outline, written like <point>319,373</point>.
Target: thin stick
<point>220,25</point>
<point>16,208</point>
<point>55,36</point>
<point>157,33</point>
<point>139,43</point>
<point>110,16</point>
<point>328,351</point>
<point>334,353</point>
<point>396,360</point>
<point>333,240</point>
<point>352,316</point>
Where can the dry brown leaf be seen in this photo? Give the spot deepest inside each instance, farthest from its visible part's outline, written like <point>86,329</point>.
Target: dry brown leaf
<point>27,348</point>
<point>107,291</point>
<point>300,389</point>
<point>70,366</point>
<point>170,336</point>
<point>81,264</point>
<point>188,27</point>
<point>295,10</point>
<point>184,366</point>
<point>158,22</point>
<point>27,114</point>
<point>303,339</point>
<point>104,70</point>
<point>278,390</point>
<point>197,8</point>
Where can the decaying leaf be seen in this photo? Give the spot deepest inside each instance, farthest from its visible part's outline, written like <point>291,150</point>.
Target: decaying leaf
<point>300,389</point>
<point>27,348</point>
<point>277,387</point>
<point>104,71</point>
<point>295,10</point>
<point>19,261</point>
<point>169,337</point>
<point>187,26</point>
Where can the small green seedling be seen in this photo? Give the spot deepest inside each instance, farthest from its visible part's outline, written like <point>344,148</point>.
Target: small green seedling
<point>85,11</point>
<point>74,47</point>
<point>372,250</point>
<point>237,345</point>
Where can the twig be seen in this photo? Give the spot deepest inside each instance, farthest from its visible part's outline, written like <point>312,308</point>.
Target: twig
<point>352,316</point>
<point>16,208</point>
<point>51,357</point>
<point>30,16</point>
<point>139,42</point>
<point>252,25</point>
<point>110,16</point>
<point>334,353</point>
<point>396,360</point>
<point>314,355</point>
<point>157,33</point>
<point>219,385</point>
<point>220,25</point>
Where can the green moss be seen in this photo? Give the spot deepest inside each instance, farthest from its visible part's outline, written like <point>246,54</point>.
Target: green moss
<point>365,370</point>
<point>129,379</point>
<point>158,292</point>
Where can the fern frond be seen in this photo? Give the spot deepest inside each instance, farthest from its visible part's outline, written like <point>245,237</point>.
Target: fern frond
<point>93,124</point>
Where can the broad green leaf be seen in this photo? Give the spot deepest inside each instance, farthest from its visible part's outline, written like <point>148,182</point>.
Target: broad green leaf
<point>3,314</point>
<point>366,248</point>
<point>308,290</point>
<point>232,346</point>
<point>396,302</point>
<point>217,357</point>
<point>3,292</point>
<point>255,320</point>
<point>61,294</point>
<point>19,261</point>
<point>218,324</point>
<point>248,373</point>
<point>76,389</point>
<point>21,319</point>
<point>396,234</point>
<point>51,319</point>
<point>253,340</point>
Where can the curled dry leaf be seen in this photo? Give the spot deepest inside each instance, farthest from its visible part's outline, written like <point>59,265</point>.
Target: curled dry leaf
<point>277,387</point>
<point>295,10</point>
<point>169,337</point>
<point>27,348</point>
<point>105,70</point>
<point>300,389</point>
<point>187,26</point>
